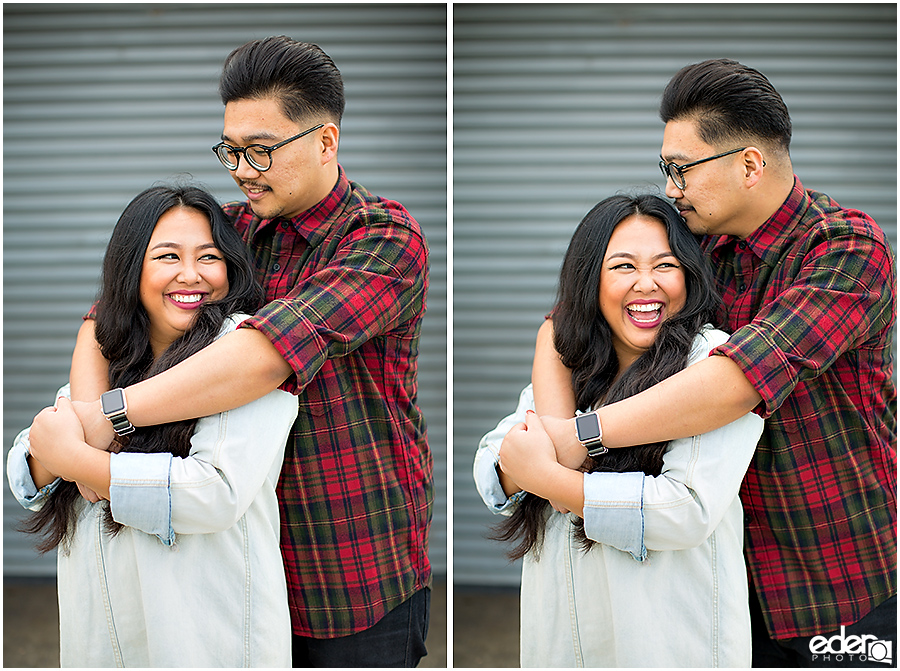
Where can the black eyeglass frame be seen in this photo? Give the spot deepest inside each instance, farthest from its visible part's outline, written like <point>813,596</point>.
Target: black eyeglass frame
<point>268,149</point>
<point>668,168</point>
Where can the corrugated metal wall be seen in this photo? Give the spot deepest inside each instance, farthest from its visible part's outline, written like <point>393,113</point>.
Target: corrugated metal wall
<point>555,108</point>
<point>101,101</point>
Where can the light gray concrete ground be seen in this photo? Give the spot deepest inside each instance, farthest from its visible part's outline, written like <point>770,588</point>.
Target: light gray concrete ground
<point>31,625</point>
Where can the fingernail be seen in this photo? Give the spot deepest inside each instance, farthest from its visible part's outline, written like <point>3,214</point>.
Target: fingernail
<point>529,412</point>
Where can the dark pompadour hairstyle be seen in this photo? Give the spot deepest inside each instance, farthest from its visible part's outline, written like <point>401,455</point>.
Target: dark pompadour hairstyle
<point>729,101</point>
<point>300,75</point>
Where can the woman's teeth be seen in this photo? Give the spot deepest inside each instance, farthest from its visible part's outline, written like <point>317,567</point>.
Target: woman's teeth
<point>642,308</point>
<point>187,298</point>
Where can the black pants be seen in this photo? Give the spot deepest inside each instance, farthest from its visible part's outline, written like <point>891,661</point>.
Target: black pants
<point>397,640</point>
<point>836,649</point>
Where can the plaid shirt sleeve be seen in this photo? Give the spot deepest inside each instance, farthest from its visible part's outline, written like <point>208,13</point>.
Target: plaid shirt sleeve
<point>839,299</point>
<point>810,302</point>
<point>372,283</point>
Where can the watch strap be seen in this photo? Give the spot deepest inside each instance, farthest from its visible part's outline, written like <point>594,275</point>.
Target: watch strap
<point>596,448</point>
<point>120,424</point>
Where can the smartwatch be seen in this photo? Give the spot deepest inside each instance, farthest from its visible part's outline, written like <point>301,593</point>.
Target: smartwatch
<point>587,428</point>
<point>114,407</point>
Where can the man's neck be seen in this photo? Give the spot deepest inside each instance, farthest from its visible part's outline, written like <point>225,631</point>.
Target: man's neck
<point>766,202</point>
<point>327,180</point>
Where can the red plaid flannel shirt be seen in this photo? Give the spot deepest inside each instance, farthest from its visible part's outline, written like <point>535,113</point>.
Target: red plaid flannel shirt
<point>346,283</point>
<point>810,300</point>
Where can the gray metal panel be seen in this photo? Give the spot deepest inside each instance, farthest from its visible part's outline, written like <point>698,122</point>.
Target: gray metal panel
<point>555,108</point>
<point>101,101</point>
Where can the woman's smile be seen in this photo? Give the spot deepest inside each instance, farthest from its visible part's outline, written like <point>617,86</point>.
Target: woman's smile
<point>645,314</point>
<point>642,284</point>
<point>187,300</point>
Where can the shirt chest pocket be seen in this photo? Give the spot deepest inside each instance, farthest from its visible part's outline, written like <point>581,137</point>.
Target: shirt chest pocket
<point>328,392</point>
<point>802,412</point>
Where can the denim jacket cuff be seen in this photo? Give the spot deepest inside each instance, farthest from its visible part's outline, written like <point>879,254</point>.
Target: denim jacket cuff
<point>19,474</point>
<point>488,484</point>
<point>613,511</point>
<point>139,494</point>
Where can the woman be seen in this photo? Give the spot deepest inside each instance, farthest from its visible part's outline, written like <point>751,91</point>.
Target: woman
<point>180,565</point>
<point>647,569</point>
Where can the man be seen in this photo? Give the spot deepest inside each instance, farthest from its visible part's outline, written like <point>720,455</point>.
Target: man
<point>809,293</point>
<point>345,274</point>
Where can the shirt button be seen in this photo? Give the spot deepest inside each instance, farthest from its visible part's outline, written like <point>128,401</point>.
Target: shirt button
<point>277,266</point>
<point>742,244</point>
<point>743,286</point>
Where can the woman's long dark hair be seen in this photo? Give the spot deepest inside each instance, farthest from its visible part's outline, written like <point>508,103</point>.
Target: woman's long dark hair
<point>583,339</point>
<point>122,330</point>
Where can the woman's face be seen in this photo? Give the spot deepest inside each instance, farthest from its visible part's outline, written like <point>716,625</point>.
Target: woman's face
<point>182,269</point>
<point>641,285</point>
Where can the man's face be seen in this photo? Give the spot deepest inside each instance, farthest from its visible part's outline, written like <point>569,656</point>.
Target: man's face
<point>710,200</point>
<point>293,183</point>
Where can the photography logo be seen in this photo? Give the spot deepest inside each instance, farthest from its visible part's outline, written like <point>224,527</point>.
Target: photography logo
<point>840,647</point>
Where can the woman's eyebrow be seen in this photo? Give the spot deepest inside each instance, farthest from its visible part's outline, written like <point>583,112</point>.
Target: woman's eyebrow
<point>178,245</point>
<point>629,255</point>
<point>158,245</point>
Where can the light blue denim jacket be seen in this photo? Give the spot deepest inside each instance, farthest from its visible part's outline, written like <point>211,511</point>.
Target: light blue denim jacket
<point>667,567</point>
<point>195,578</point>
<point>146,507</point>
<point>612,501</point>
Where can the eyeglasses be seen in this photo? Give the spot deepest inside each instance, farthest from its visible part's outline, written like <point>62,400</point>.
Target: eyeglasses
<point>676,172</point>
<point>259,156</point>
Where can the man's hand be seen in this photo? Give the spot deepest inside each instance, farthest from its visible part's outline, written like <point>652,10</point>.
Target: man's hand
<point>87,493</point>
<point>98,431</point>
<point>569,452</point>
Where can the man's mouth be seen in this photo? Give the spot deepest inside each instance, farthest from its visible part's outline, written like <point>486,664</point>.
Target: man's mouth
<point>255,190</point>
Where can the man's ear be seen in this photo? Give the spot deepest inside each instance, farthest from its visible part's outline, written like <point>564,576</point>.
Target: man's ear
<point>329,142</point>
<point>753,166</point>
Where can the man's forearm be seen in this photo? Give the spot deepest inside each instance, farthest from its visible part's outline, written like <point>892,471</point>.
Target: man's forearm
<point>89,374</point>
<point>551,380</point>
<point>705,396</point>
<point>236,369</point>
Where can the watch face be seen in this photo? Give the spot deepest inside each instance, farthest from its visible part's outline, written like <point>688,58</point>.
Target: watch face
<point>112,401</point>
<point>587,426</point>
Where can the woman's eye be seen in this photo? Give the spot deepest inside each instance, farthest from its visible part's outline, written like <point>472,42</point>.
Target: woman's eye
<point>623,266</point>
<point>210,257</point>
<point>170,255</point>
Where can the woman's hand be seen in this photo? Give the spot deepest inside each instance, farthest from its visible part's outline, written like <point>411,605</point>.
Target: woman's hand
<point>527,455</point>
<point>57,442</point>
<point>54,433</point>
